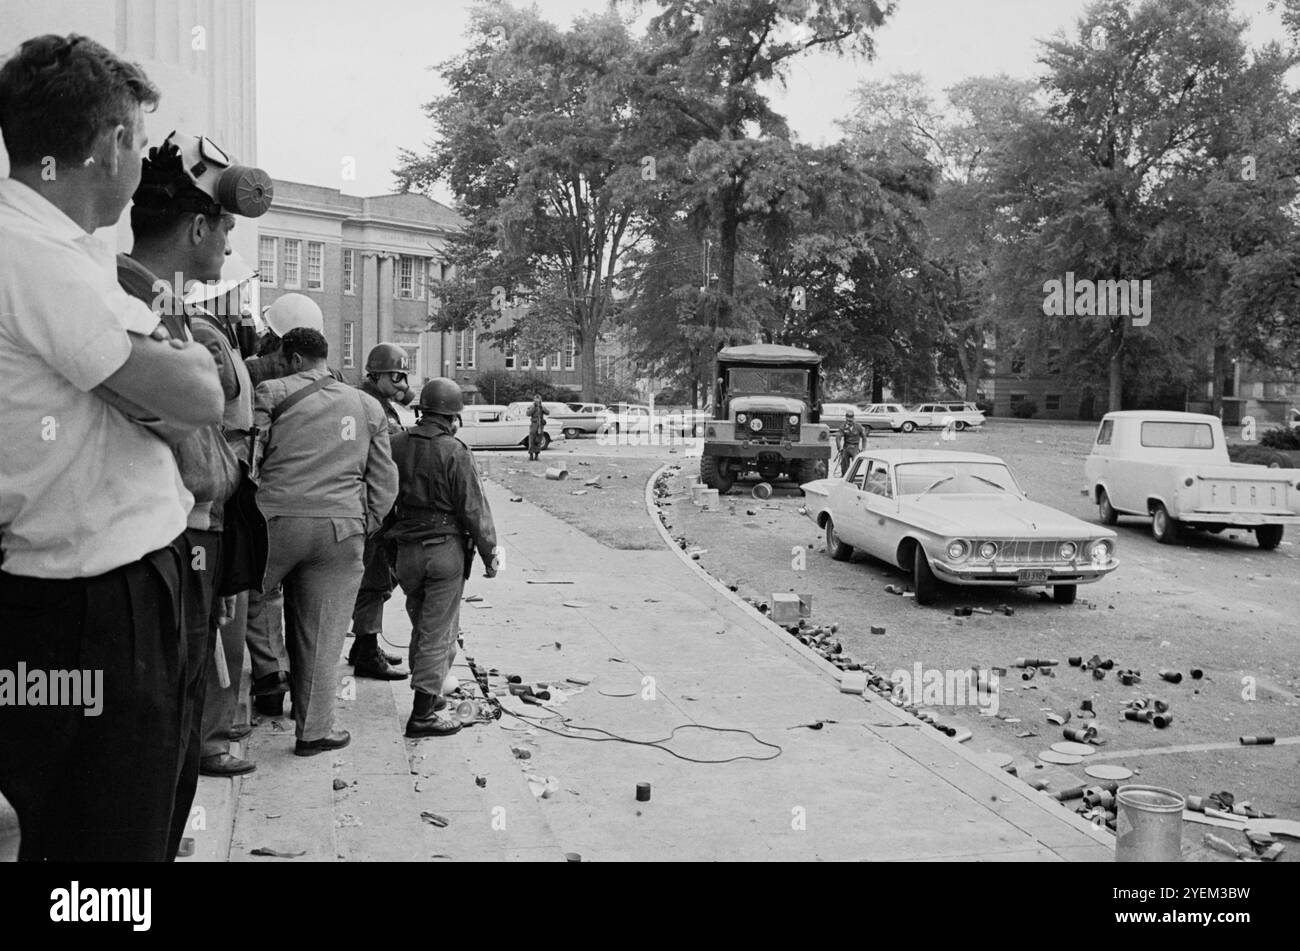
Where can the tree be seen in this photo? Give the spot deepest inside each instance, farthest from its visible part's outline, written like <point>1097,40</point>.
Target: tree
<point>538,142</point>
<point>1135,174</point>
<point>955,149</point>
<point>697,84</point>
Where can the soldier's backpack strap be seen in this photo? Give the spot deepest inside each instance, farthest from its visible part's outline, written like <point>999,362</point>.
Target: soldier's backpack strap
<point>297,396</point>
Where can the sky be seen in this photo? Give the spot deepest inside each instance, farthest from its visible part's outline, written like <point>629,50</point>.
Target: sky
<point>341,83</point>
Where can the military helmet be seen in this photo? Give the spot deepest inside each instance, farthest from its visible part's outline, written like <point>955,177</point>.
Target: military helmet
<point>441,395</point>
<point>387,358</point>
<point>294,310</point>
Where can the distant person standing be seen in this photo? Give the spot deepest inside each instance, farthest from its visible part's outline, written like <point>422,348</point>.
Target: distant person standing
<point>92,506</point>
<point>327,480</point>
<point>536,427</point>
<point>443,517</point>
<point>386,368</point>
<point>850,438</point>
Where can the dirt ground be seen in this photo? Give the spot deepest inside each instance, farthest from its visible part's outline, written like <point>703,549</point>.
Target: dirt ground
<point>1216,603</point>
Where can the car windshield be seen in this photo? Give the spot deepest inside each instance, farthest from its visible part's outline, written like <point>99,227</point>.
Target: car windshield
<point>954,478</point>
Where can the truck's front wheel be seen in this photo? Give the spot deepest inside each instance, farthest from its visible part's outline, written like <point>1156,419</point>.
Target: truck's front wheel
<point>1269,537</point>
<point>1163,526</point>
<point>716,474</point>
<point>1107,511</point>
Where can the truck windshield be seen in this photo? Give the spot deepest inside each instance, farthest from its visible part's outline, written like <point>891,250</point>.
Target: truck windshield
<point>1169,435</point>
<point>768,382</point>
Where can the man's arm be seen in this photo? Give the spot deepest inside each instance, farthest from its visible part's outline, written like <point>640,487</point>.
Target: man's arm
<point>381,474</point>
<point>174,382</point>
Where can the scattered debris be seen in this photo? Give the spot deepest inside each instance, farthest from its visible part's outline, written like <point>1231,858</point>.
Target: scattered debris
<point>434,819</point>
<point>340,784</point>
<point>480,782</point>
<point>276,853</point>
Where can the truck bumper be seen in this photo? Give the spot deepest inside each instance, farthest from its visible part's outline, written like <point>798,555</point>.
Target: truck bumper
<point>733,450</point>
<point>1239,519</point>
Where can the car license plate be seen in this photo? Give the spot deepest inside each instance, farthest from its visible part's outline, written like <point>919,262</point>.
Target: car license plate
<point>1038,576</point>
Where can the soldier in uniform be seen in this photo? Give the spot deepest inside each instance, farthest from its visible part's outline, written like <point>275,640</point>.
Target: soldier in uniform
<point>536,426</point>
<point>850,437</point>
<point>386,368</point>
<point>442,518</point>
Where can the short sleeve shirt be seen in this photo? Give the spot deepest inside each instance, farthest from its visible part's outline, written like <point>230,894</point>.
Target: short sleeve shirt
<point>83,490</point>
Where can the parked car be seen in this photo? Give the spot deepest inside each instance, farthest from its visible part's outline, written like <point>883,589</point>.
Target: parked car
<point>937,415</point>
<point>562,417</point>
<point>627,418</point>
<point>956,517</point>
<point>683,421</point>
<point>1174,467</point>
<point>833,414</point>
<point>893,416</point>
<point>491,426</point>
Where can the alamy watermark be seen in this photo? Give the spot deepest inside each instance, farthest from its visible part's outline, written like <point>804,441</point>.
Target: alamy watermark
<point>1089,298</point>
<point>935,687</point>
<point>35,687</point>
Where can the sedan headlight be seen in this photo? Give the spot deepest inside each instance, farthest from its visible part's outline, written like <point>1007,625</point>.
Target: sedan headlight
<point>1102,550</point>
<point>957,550</point>
<point>988,550</point>
<point>794,420</point>
<point>755,424</point>
<point>1067,550</point>
<point>741,418</point>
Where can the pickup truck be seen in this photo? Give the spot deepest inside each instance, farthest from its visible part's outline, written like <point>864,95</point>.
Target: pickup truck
<point>1174,468</point>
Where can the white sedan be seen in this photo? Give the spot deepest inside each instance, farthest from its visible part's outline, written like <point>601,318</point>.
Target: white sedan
<point>488,426</point>
<point>956,517</point>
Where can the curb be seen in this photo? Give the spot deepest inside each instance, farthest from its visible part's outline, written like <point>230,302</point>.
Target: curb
<point>831,673</point>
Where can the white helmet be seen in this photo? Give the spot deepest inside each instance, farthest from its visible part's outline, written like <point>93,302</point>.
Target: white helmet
<point>292,311</point>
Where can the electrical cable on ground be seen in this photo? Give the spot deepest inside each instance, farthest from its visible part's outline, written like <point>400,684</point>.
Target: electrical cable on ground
<point>615,738</point>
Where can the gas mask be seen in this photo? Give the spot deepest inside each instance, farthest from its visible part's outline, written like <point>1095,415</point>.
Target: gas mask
<point>218,183</point>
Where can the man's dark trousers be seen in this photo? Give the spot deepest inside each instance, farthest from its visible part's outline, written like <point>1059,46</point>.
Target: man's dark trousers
<point>377,583</point>
<point>203,558</point>
<point>96,788</point>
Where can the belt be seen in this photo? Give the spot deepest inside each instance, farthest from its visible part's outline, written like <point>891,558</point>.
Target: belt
<point>429,515</point>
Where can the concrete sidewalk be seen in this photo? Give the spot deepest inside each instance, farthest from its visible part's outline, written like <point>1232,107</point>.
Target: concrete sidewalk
<point>663,646</point>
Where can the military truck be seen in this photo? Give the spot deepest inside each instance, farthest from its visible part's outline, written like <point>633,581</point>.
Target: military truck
<point>766,411</point>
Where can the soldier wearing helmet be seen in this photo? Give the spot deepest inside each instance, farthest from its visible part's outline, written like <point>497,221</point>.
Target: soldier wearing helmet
<point>441,518</point>
<point>386,369</point>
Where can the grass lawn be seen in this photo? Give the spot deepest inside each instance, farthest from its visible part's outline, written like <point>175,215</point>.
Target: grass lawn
<point>614,514</point>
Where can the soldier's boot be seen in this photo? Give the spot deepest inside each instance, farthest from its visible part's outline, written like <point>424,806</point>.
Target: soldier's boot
<point>424,719</point>
<point>358,640</point>
<point>370,662</point>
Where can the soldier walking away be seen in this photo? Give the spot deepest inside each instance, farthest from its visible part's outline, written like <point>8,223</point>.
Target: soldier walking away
<point>850,438</point>
<point>536,427</point>
<point>442,519</point>
<point>327,480</point>
<point>386,368</point>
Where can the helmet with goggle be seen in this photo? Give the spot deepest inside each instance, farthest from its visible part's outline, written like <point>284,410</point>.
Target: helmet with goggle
<point>192,173</point>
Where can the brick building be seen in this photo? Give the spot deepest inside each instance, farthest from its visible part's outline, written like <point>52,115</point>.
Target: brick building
<point>369,263</point>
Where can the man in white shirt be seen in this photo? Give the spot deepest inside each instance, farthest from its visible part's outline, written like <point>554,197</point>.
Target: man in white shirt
<point>91,502</point>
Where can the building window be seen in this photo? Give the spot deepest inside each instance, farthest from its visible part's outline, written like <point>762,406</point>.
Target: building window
<point>292,263</point>
<point>349,271</point>
<point>556,360</point>
<point>465,344</point>
<point>421,274</point>
<point>406,278</point>
<point>527,363</point>
<point>1017,363</point>
<point>266,260</point>
<point>315,266</point>
<point>571,354</point>
<point>1018,398</point>
<point>1053,401</point>
<point>349,345</point>
<point>510,359</point>
<point>1053,362</point>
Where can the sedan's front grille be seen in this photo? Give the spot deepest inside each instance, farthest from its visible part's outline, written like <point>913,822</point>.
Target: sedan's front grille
<point>1025,551</point>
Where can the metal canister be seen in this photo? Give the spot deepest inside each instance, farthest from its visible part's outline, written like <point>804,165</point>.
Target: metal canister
<point>1149,825</point>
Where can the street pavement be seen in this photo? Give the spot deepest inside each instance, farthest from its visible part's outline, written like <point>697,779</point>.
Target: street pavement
<point>663,646</point>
